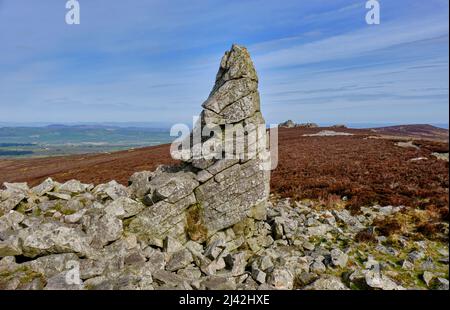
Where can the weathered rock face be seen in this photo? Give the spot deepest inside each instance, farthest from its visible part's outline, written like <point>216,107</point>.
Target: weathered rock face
<point>206,195</point>
<point>234,187</point>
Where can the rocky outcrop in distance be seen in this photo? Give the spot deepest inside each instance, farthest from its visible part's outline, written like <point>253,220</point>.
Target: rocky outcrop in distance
<point>292,124</point>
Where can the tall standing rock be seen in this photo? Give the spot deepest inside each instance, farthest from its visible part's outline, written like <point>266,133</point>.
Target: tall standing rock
<point>210,193</point>
<point>236,185</point>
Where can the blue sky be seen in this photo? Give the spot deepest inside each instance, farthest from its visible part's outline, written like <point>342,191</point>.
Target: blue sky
<point>148,61</point>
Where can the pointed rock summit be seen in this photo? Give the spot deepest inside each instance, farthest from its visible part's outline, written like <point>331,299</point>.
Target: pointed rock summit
<point>234,96</point>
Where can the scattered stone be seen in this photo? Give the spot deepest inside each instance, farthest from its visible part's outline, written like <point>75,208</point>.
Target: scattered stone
<point>155,258</point>
<point>190,273</point>
<point>179,260</point>
<point>328,133</point>
<point>139,183</point>
<point>13,200</point>
<point>72,187</point>
<point>265,263</point>
<point>281,278</point>
<point>215,248</point>
<point>16,188</point>
<point>339,258</point>
<point>212,267</point>
<point>106,229</point>
<point>75,217</point>
<point>111,190</point>
<point>236,263</point>
<point>415,256</point>
<point>172,245</point>
<point>440,156</point>
<point>306,278</point>
<point>61,196</point>
<point>11,220</point>
<point>90,268</point>
<point>428,264</point>
<point>44,187</point>
<point>10,247</point>
<point>218,283</point>
<point>319,230</point>
<point>407,265</point>
<point>195,248</point>
<point>327,283</point>
<point>318,267</point>
<point>375,279</point>
<point>308,246</point>
<point>353,223</point>
<point>259,276</point>
<point>277,228</point>
<point>440,284</point>
<point>428,277</point>
<point>124,207</point>
<point>408,144</point>
<point>54,237</point>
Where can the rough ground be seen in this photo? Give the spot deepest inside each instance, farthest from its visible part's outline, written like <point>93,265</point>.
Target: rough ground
<point>77,236</point>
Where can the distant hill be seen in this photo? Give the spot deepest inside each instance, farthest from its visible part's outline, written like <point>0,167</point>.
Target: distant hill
<point>82,126</point>
<point>421,131</point>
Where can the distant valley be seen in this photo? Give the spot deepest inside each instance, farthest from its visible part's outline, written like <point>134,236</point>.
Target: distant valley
<point>56,139</point>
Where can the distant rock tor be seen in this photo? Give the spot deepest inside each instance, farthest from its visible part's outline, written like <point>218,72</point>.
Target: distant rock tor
<point>292,124</point>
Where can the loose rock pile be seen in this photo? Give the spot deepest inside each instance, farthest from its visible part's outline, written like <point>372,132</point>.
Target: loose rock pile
<point>77,236</point>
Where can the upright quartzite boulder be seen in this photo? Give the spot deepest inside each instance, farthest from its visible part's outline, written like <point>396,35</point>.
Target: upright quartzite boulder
<point>223,177</point>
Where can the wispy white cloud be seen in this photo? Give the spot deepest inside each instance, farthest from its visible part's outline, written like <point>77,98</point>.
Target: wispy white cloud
<point>368,39</point>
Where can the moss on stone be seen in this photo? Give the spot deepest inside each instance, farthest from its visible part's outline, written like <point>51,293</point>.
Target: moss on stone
<point>24,274</point>
<point>195,228</point>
